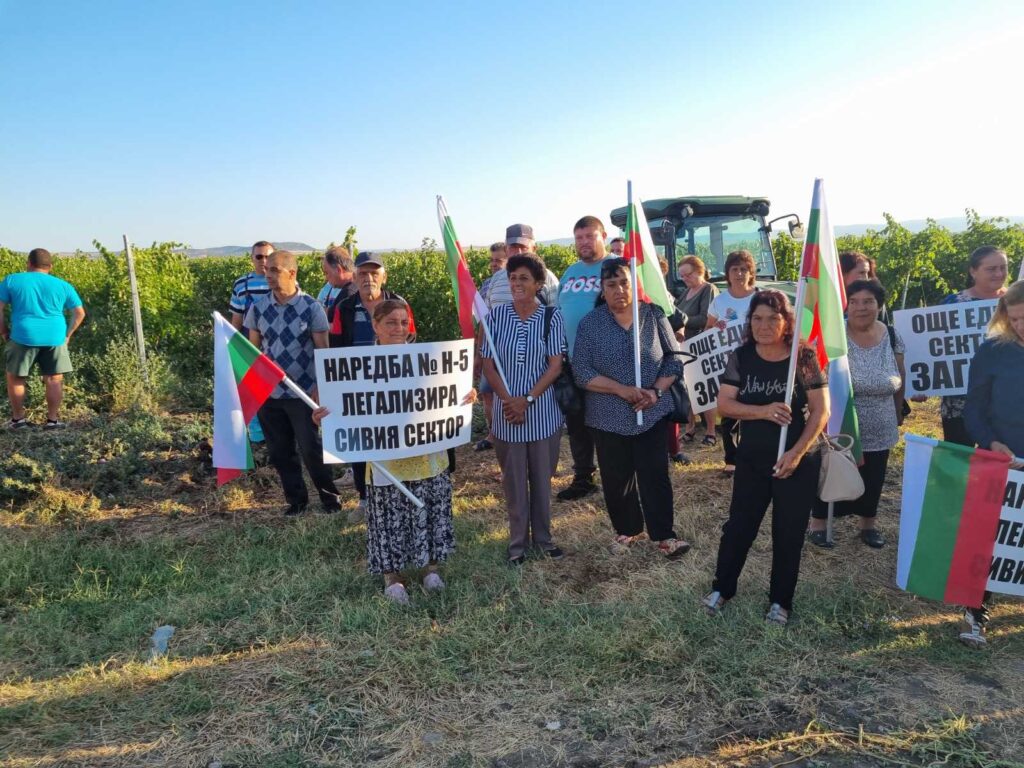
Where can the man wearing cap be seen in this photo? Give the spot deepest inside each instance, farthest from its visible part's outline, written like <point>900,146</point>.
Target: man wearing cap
<point>350,323</point>
<point>39,333</point>
<point>519,239</point>
<point>580,287</point>
<point>244,293</point>
<point>288,324</point>
<point>338,270</point>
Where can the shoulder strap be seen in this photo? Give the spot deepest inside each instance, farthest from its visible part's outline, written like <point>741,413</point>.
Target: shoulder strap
<point>892,337</point>
<point>548,314</point>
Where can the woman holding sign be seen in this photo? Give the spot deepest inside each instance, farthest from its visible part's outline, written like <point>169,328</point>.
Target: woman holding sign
<point>741,272</point>
<point>632,458</point>
<point>754,392</point>
<point>993,413</point>
<point>987,270</point>
<point>695,304</point>
<point>528,338</point>
<point>399,535</point>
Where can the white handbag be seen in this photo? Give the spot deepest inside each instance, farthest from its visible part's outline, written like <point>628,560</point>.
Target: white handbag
<point>839,479</point>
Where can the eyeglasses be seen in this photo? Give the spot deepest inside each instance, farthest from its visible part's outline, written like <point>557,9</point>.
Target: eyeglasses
<point>260,256</point>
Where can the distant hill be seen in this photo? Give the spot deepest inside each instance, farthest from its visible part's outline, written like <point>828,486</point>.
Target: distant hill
<point>953,224</point>
<point>243,250</point>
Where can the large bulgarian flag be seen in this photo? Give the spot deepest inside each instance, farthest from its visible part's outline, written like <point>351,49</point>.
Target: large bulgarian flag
<point>952,497</point>
<point>243,378</point>
<point>650,282</point>
<point>467,298</point>
<point>822,324</point>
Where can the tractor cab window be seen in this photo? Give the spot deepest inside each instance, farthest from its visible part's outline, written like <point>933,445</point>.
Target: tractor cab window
<point>712,238</point>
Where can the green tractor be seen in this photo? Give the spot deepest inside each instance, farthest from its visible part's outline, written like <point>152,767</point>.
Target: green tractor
<point>712,227</point>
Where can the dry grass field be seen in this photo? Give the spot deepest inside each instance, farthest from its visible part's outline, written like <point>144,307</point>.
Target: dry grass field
<point>285,654</point>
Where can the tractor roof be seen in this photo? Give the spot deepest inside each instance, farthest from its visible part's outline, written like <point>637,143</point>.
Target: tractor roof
<point>713,205</point>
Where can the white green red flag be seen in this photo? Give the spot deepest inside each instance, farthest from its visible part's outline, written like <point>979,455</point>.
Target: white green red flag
<point>822,324</point>
<point>952,499</point>
<point>467,299</point>
<point>243,378</point>
<point>650,281</point>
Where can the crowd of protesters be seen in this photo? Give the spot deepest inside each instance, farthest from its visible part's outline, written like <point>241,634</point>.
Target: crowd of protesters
<point>580,327</point>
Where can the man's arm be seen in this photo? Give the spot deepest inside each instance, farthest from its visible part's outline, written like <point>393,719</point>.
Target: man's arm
<point>236,320</point>
<point>4,333</point>
<point>74,321</point>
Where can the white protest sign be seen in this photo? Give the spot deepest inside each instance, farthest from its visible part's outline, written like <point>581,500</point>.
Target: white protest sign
<point>1006,574</point>
<point>711,349</point>
<point>941,342</point>
<point>394,401</point>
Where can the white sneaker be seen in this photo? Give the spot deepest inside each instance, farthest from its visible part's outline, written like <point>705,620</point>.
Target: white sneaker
<point>346,478</point>
<point>973,633</point>
<point>396,594</point>
<point>433,582</point>
<point>358,514</point>
<point>777,615</point>
<point>713,603</point>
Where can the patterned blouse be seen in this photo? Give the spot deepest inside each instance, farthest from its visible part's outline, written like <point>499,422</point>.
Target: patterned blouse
<point>605,348</point>
<point>876,378</point>
<point>521,347</point>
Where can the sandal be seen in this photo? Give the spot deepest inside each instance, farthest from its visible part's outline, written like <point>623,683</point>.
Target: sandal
<point>713,603</point>
<point>621,544</point>
<point>820,539</point>
<point>688,437</point>
<point>674,548</point>
<point>709,440</point>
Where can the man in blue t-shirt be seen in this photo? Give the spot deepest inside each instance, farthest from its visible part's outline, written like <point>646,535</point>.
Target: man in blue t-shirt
<point>39,333</point>
<point>578,291</point>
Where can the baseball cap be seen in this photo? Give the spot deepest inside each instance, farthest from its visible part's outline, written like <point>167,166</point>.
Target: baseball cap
<point>368,258</point>
<point>519,233</point>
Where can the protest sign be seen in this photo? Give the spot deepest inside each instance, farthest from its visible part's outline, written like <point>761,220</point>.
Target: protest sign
<point>711,350</point>
<point>394,401</point>
<point>941,342</point>
<point>1006,574</point>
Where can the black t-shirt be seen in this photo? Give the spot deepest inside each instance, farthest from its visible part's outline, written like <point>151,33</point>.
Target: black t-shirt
<point>760,382</point>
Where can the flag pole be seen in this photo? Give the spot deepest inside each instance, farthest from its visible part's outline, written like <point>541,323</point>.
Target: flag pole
<point>801,287</point>
<point>636,301</point>
<point>377,467</point>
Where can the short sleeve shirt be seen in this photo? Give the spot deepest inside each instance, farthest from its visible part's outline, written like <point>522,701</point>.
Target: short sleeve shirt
<point>761,382</point>
<point>38,301</point>
<point>286,332</point>
<point>520,347</point>
<point>246,289</point>
<point>727,307</point>
<point>580,287</point>
<point>876,378</point>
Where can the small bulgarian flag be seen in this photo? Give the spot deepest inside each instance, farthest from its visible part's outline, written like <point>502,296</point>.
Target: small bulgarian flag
<point>952,497</point>
<point>467,298</point>
<point>650,282</point>
<point>822,324</point>
<point>243,378</point>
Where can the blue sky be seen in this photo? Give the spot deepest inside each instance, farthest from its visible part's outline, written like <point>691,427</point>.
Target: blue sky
<point>218,123</point>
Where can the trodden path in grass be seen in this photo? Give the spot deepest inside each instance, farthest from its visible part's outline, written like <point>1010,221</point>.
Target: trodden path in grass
<point>285,654</point>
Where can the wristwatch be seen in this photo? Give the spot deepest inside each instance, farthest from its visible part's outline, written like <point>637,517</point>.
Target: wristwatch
<point>530,399</point>
<point>658,392</point>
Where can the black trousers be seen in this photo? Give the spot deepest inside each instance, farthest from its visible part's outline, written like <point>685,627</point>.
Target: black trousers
<point>753,489</point>
<point>290,432</point>
<point>872,472</point>
<point>581,444</point>
<point>954,430</point>
<point>729,434</point>
<point>634,477</point>
<point>359,478</point>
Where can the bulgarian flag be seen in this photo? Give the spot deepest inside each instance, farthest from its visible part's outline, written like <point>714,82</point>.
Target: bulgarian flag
<point>822,324</point>
<point>952,497</point>
<point>467,298</point>
<point>650,282</point>
<point>243,378</point>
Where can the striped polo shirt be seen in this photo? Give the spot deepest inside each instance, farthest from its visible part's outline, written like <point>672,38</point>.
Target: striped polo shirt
<point>246,290</point>
<point>519,346</point>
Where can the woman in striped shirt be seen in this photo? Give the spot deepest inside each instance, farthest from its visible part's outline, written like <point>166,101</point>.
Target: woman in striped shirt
<point>528,341</point>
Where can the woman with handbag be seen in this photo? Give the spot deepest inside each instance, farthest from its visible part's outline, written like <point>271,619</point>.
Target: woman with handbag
<point>753,391</point>
<point>526,422</point>
<point>876,369</point>
<point>631,456</point>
